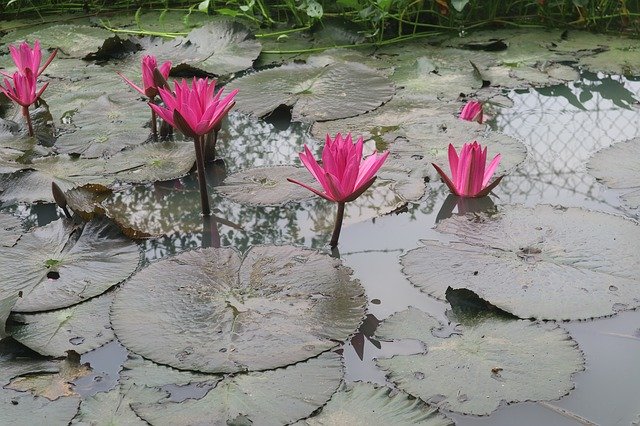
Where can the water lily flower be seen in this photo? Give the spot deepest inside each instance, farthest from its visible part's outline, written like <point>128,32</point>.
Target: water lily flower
<point>472,111</point>
<point>195,111</point>
<point>469,174</point>
<point>21,89</point>
<point>27,58</point>
<point>344,176</point>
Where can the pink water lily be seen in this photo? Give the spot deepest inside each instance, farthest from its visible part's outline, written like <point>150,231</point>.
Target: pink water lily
<point>472,111</point>
<point>21,89</point>
<point>26,58</point>
<point>344,176</point>
<point>194,110</point>
<point>469,173</point>
<point>149,87</point>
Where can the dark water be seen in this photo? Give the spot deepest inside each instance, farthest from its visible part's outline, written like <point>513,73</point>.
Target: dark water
<point>561,127</point>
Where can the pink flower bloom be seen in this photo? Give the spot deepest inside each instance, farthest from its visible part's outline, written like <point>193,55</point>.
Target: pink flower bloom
<point>472,111</point>
<point>27,58</point>
<point>149,63</point>
<point>469,174</point>
<point>343,175</point>
<point>194,110</point>
<point>23,90</point>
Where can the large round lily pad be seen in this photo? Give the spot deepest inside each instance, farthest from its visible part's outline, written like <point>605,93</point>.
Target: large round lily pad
<point>545,262</point>
<point>81,328</point>
<point>60,264</point>
<point>214,311</point>
<point>489,361</point>
<point>617,167</point>
<point>365,404</point>
<point>336,90</point>
<point>20,408</point>
<point>276,397</point>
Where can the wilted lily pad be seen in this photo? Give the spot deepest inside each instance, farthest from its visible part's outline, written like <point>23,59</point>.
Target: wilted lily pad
<point>487,362</point>
<point>311,90</point>
<point>273,397</point>
<point>81,328</point>
<point>364,403</point>
<point>10,229</point>
<point>213,311</point>
<point>20,408</point>
<point>60,264</point>
<point>544,263</point>
<point>267,186</point>
<point>617,167</point>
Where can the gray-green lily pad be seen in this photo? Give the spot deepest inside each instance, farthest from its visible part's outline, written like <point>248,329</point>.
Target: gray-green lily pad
<point>14,367</point>
<point>367,404</point>
<point>621,62</point>
<point>214,311</point>
<point>108,408</point>
<point>220,47</point>
<point>61,264</point>
<point>617,167</point>
<point>267,186</point>
<point>24,409</point>
<point>105,126</point>
<point>141,372</point>
<point>545,263</point>
<point>486,362</point>
<point>312,90</point>
<point>10,229</point>
<point>81,328</point>
<point>7,302</point>
<point>276,397</point>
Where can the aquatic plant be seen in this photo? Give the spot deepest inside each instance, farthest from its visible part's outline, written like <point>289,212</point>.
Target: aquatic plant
<point>23,90</point>
<point>343,175</point>
<point>472,111</point>
<point>469,173</point>
<point>150,84</point>
<point>195,111</point>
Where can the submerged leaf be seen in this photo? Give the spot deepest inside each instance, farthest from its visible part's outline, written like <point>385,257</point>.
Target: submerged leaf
<point>213,311</point>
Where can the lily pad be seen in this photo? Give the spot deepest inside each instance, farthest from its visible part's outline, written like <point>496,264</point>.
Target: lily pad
<point>109,408</point>
<point>486,362</point>
<point>275,397</point>
<point>544,263</point>
<point>267,186</point>
<point>367,404</point>
<point>7,302</point>
<point>312,90</point>
<point>620,62</point>
<point>14,367</point>
<point>10,229</point>
<point>60,264</point>
<point>19,408</point>
<point>81,328</point>
<point>220,47</point>
<point>141,372</point>
<point>617,167</point>
<point>214,311</point>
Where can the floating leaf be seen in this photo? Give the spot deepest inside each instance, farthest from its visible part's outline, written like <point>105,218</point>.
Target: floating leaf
<point>19,408</point>
<point>107,408</point>
<point>617,167</point>
<point>364,403</point>
<point>275,397</point>
<point>14,367</point>
<point>213,311</point>
<point>220,47</point>
<point>59,265</point>
<point>267,186</point>
<point>312,91</point>
<point>10,229</point>
<point>141,372</point>
<point>487,362</point>
<point>7,302</point>
<point>81,328</point>
<point>544,263</point>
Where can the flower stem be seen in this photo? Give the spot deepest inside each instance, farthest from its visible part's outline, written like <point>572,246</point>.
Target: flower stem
<point>154,125</point>
<point>25,112</point>
<point>338,226</point>
<point>202,180</point>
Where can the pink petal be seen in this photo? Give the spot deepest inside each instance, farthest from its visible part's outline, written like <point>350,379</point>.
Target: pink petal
<point>315,191</point>
<point>491,169</point>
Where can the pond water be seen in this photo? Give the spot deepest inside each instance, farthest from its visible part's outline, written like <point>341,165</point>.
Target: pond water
<point>561,126</point>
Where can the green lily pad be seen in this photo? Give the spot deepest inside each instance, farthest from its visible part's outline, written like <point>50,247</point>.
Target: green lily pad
<point>615,61</point>
<point>141,372</point>
<point>106,126</point>
<point>525,76</point>
<point>10,229</point>
<point>81,328</point>
<point>214,311</point>
<point>85,200</point>
<point>220,47</point>
<point>617,167</point>
<point>60,264</point>
<point>267,186</point>
<point>544,263</point>
<point>311,90</point>
<point>107,408</point>
<point>366,404</point>
<point>275,397</point>
<point>24,409</point>
<point>486,362</point>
